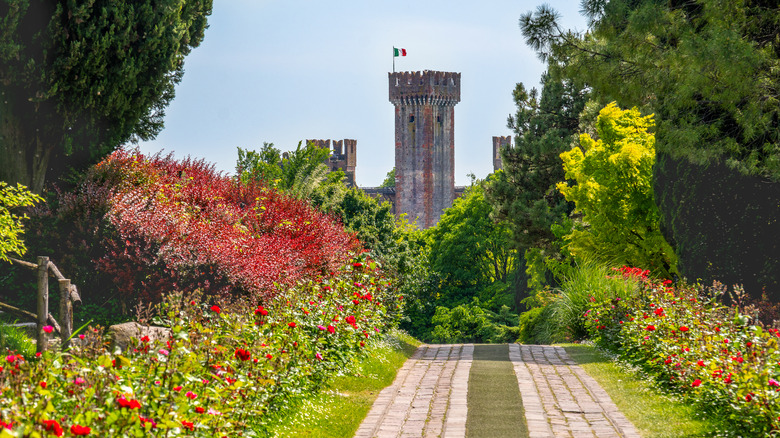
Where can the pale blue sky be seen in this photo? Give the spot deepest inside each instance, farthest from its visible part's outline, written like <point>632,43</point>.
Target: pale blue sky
<point>284,71</point>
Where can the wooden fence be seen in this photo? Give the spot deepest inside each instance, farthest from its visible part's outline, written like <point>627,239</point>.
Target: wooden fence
<point>69,296</point>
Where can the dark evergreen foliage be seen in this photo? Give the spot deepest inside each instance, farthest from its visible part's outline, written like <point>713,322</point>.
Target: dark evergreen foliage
<point>77,79</point>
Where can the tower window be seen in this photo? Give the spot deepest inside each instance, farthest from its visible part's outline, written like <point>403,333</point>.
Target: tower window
<point>411,118</point>
<point>438,119</point>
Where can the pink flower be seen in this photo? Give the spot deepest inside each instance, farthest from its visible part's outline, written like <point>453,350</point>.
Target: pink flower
<point>79,381</point>
<point>10,358</point>
<point>163,351</point>
<point>191,395</point>
<point>82,337</point>
<point>318,356</point>
<point>48,328</point>
<point>321,327</point>
<point>773,382</point>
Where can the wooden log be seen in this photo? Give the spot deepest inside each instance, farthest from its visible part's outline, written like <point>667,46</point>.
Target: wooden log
<point>29,316</point>
<point>55,272</point>
<point>27,265</point>
<point>75,298</point>
<point>66,312</point>
<point>53,322</point>
<point>43,301</point>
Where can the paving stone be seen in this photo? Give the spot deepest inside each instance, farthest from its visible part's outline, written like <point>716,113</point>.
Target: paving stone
<point>428,397</point>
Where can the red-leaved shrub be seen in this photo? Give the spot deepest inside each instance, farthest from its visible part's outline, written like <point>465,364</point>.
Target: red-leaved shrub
<point>151,225</point>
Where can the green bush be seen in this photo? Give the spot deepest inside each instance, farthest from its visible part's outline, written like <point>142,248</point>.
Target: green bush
<point>586,285</point>
<point>15,340</point>
<point>472,323</point>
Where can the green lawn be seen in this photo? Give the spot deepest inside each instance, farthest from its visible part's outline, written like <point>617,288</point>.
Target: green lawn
<point>338,411</point>
<point>655,415</point>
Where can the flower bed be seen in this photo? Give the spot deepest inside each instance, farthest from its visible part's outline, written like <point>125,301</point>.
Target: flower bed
<point>224,369</point>
<point>689,341</point>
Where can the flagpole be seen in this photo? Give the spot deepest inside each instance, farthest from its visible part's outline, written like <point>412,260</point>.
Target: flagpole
<point>393,59</point>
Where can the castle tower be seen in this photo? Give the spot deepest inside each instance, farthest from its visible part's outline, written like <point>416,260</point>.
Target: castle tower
<point>424,142</point>
<point>498,144</point>
<point>343,156</point>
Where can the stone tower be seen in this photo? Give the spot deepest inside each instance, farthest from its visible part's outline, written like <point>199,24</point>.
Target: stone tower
<point>343,156</point>
<point>424,142</point>
<point>498,144</point>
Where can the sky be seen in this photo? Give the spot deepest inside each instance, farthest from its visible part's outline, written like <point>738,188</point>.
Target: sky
<point>285,71</point>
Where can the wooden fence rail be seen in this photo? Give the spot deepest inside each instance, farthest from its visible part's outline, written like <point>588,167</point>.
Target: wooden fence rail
<point>69,296</point>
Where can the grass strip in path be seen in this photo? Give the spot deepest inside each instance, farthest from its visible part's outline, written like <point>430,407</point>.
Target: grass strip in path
<point>495,408</point>
<point>654,414</point>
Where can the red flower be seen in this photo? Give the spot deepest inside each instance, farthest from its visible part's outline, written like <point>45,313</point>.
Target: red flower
<point>659,311</point>
<point>177,388</point>
<point>216,309</point>
<point>80,430</point>
<point>331,329</point>
<point>261,311</point>
<point>53,426</point>
<point>696,383</point>
<point>683,328</point>
<point>200,410</point>
<point>269,356</point>
<point>188,425</point>
<point>700,363</point>
<point>43,385</point>
<point>650,328</point>
<point>130,404</point>
<point>242,354</point>
<point>292,325</point>
<point>350,320</point>
<point>145,339</point>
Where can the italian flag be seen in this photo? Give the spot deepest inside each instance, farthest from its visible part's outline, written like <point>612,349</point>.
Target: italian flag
<point>399,52</point>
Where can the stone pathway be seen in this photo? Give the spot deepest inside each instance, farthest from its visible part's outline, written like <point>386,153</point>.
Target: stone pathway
<point>429,396</point>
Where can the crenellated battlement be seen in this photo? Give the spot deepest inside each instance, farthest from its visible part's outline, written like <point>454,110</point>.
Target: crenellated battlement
<point>424,88</point>
<point>343,155</point>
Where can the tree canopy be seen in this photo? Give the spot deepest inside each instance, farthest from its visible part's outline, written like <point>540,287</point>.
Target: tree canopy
<point>524,193</point>
<point>612,187</point>
<point>706,68</point>
<point>77,79</point>
<point>470,251</point>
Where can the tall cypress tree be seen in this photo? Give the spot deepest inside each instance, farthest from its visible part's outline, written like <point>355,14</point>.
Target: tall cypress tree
<point>79,78</point>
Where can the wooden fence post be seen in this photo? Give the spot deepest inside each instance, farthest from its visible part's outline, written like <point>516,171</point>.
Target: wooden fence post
<point>43,301</point>
<point>66,312</point>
